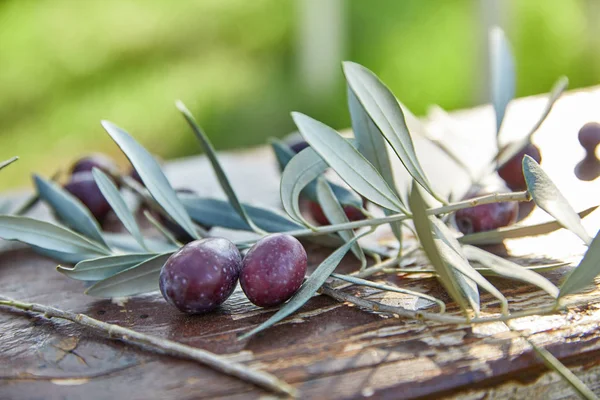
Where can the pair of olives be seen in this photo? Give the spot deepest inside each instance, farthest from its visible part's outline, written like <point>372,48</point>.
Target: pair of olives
<point>203,274</point>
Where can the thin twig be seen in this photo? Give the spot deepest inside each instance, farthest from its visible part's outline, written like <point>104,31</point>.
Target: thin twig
<point>221,364</point>
<point>487,199</point>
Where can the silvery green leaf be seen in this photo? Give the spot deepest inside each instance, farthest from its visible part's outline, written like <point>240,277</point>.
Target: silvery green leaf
<point>502,74</point>
<point>126,243</point>
<point>335,214</point>
<point>212,157</point>
<point>462,266</point>
<point>103,267</point>
<point>349,164</point>
<point>512,149</point>
<point>283,152</point>
<point>547,196</point>
<point>284,155</point>
<point>554,364</point>
<point>117,203</point>
<point>67,258</point>
<point>47,236</point>
<point>509,269</point>
<point>154,179</point>
<point>307,290</point>
<point>372,145</point>
<point>583,275</point>
<point>6,163</point>
<point>385,112</point>
<point>140,278</point>
<point>214,212</point>
<point>70,210</point>
<point>364,282</point>
<point>453,282</point>
<point>516,231</point>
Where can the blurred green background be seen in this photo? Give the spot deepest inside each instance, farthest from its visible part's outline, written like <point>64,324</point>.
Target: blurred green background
<point>241,66</point>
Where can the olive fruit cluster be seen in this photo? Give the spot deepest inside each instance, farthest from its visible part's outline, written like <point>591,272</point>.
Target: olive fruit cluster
<point>202,274</point>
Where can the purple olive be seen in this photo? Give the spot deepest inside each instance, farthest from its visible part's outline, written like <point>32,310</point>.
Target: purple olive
<point>201,275</point>
<point>273,270</point>
<point>83,186</point>
<point>485,217</point>
<point>96,160</point>
<point>512,171</point>
<point>589,136</point>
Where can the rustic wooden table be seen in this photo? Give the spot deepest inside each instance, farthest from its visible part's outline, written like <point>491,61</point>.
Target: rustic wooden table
<point>327,349</point>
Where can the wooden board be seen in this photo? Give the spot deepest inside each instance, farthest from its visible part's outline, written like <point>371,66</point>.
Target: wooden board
<point>327,349</point>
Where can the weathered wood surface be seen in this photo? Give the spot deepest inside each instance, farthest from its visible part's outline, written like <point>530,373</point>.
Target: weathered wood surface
<point>327,349</point>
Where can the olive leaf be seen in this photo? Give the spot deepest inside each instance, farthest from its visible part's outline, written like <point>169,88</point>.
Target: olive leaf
<point>384,110</point>
<point>512,149</point>
<point>212,157</point>
<point>103,267</point>
<point>458,260</point>
<point>308,288</point>
<point>6,163</point>
<point>47,236</point>
<point>155,180</point>
<point>126,243</point>
<point>583,275</point>
<point>335,214</point>
<point>547,196</point>
<point>349,164</point>
<point>508,269</point>
<point>69,209</point>
<point>502,74</point>
<point>215,212</point>
<point>284,155</point>
<point>453,282</point>
<point>372,145</point>
<point>117,203</point>
<point>67,258</point>
<point>140,278</point>
<point>364,282</point>
<point>517,231</point>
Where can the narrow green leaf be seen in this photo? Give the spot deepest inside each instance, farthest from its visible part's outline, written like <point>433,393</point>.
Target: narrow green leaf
<point>47,236</point>
<point>307,290</point>
<point>67,258</point>
<point>117,203</point>
<point>555,365</point>
<point>516,231</point>
<point>385,112</point>
<point>153,177</point>
<point>6,163</point>
<point>372,145</point>
<point>103,267</point>
<point>509,269</point>
<point>140,278</point>
<point>502,74</point>
<point>284,155</point>
<point>214,212</point>
<point>583,275</point>
<point>451,281</point>
<point>70,210</point>
<point>350,165</point>
<point>364,282</point>
<point>126,243</point>
<point>547,196</point>
<point>512,149</point>
<point>212,157</point>
<point>335,214</point>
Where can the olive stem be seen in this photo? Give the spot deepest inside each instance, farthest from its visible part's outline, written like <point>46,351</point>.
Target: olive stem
<point>487,199</point>
<point>165,346</point>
